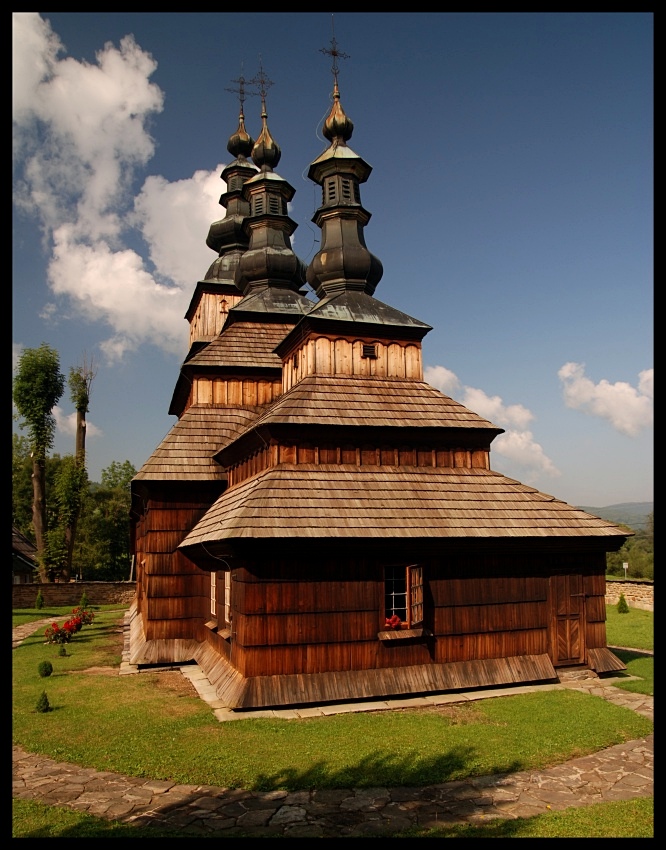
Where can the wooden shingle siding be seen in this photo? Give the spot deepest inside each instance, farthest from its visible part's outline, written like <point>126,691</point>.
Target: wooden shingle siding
<point>173,608</point>
<point>479,619</point>
<point>160,633</point>
<point>285,629</point>
<point>451,648</point>
<point>595,609</point>
<point>340,686</point>
<point>483,588</point>
<point>297,597</point>
<point>595,634</point>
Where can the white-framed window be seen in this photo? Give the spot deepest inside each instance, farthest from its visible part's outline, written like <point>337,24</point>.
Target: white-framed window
<point>227,597</point>
<point>213,594</point>
<point>403,594</point>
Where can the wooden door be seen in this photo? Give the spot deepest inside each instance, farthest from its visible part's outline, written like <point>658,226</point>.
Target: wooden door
<point>567,627</point>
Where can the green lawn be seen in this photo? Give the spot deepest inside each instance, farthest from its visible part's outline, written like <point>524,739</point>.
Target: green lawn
<point>634,630</point>
<point>155,726</point>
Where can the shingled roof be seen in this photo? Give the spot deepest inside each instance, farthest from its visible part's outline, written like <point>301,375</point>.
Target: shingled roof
<point>355,400</point>
<point>23,548</point>
<point>186,453</point>
<point>243,344</point>
<point>353,502</point>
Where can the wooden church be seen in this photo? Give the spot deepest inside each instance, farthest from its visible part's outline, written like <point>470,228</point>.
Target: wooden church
<point>320,524</point>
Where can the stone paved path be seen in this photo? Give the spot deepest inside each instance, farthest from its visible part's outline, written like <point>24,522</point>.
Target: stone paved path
<point>622,772</point>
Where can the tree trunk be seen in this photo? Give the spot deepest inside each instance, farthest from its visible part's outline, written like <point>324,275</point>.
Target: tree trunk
<point>70,531</point>
<point>39,510</point>
<point>80,454</point>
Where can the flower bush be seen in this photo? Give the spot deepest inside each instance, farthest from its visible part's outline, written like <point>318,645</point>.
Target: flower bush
<point>73,625</point>
<point>393,622</point>
<point>63,634</point>
<point>84,615</point>
<point>55,634</point>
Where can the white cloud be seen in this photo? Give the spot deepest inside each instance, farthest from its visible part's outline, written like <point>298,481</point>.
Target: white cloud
<point>17,351</point>
<point>174,219</point>
<point>81,133</point>
<point>66,424</point>
<point>493,408</point>
<point>628,409</point>
<point>517,445</point>
<point>443,379</point>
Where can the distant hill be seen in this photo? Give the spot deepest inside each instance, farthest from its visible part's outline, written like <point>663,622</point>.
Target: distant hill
<point>633,514</point>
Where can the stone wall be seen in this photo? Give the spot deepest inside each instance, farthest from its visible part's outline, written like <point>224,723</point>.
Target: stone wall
<point>59,594</point>
<point>639,594</point>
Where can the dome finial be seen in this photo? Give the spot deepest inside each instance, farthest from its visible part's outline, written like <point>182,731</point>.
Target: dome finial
<point>241,142</point>
<point>337,127</point>
<point>266,152</point>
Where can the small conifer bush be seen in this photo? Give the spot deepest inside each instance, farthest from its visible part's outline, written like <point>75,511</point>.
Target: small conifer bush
<point>83,602</point>
<point>43,704</point>
<point>622,607</point>
<point>39,601</point>
<point>45,669</point>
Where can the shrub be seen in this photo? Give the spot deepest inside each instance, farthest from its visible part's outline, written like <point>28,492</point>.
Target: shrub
<point>83,602</point>
<point>39,601</point>
<point>82,614</point>
<point>43,704</point>
<point>45,669</point>
<point>55,634</point>
<point>622,607</point>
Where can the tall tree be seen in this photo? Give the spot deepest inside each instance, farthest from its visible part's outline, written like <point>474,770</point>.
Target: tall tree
<point>73,484</point>
<point>102,549</point>
<point>22,486</point>
<point>37,388</point>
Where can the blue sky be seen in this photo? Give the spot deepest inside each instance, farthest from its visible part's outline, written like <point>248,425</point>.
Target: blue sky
<point>511,200</point>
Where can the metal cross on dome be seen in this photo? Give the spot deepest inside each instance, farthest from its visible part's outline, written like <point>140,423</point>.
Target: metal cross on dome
<point>334,52</point>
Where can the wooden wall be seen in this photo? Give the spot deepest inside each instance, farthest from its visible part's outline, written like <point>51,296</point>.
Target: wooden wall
<point>358,455</point>
<point>326,615</point>
<point>211,314</point>
<point>322,355</point>
<point>171,590</point>
<point>241,392</point>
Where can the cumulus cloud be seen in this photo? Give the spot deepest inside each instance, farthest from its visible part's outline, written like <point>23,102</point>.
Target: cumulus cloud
<point>17,351</point>
<point>81,138</point>
<point>628,409</point>
<point>517,445</point>
<point>66,424</point>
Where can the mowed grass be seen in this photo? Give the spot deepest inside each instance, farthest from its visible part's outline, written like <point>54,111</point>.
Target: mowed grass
<point>154,725</point>
<point>21,616</point>
<point>624,819</point>
<point>634,630</point>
